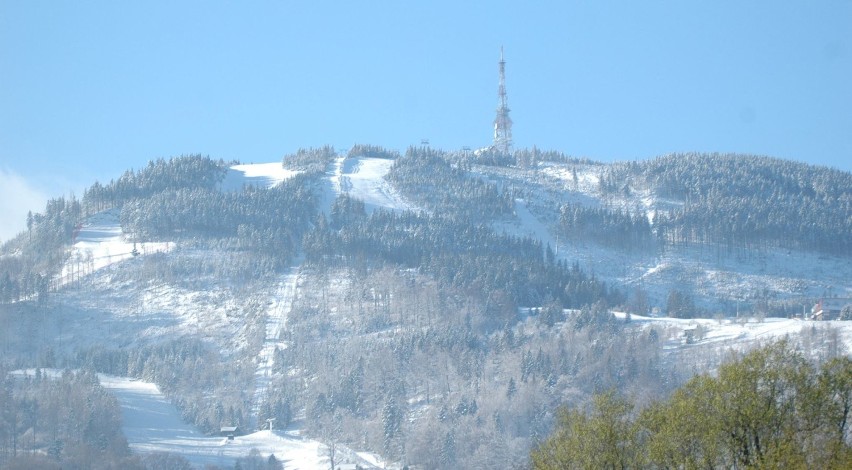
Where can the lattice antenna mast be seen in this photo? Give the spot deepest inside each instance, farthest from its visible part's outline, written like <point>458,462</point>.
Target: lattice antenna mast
<point>502,123</point>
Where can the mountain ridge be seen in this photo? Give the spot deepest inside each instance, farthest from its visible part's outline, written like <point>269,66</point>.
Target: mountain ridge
<point>402,323</point>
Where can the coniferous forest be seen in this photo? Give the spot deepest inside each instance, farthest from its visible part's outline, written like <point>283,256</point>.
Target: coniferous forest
<point>436,337</point>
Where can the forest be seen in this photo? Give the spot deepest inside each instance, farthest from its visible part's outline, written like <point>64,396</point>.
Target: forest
<point>423,373</point>
<point>68,421</point>
<point>310,160</point>
<point>426,177</point>
<point>434,337</point>
<point>741,201</point>
<point>260,223</point>
<point>462,255</point>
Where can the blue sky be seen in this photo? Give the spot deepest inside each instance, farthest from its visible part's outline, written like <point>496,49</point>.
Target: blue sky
<point>89,89</point>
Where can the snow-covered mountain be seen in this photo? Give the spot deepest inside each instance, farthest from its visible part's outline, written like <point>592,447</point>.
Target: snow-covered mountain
<point>411,307</point>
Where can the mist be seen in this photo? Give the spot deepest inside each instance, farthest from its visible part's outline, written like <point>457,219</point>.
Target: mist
<point>17,197</point>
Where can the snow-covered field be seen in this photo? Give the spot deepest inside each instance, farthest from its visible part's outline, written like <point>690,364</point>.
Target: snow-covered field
<point>276,321</point>
<point>100,243</point>
<point>719,279</point>
<point>364,178</point>
<point>256,174</point>
<point>152,424</point>
<point>736,333</point>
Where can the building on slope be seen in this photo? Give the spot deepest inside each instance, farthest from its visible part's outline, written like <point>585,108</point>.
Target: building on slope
<point>230,432</point>
<point>830,308</point>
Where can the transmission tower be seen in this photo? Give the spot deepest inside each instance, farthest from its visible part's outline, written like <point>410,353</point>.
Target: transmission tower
<point>502,123</point>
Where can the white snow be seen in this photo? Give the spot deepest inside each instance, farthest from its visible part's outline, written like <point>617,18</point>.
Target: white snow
<point>260,174</point>
<point>100,243</point>
<point>718,278</point>
<point>737,333</point>
<point>276,322</point>
<point>363,178</point>
<point>528,224</point>
<point>152,424</point>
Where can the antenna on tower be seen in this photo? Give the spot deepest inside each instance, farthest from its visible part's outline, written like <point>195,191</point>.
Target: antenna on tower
<point>502,123</point>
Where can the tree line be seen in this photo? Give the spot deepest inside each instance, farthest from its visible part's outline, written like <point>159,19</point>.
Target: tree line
<point>742,201</point>
<point>184,172</point>
<point>68,421</point>
<point>372,151</point>
<point>32,260</point>
<point>456,253</point>
<point>267,222</point>
<point>310,160</point>
<point>425,176</point>
<point>609,226</point>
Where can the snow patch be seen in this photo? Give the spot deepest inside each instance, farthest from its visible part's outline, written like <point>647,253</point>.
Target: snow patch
<point>152,424</point>
<point>99,243</point>
<point>363,178</point>
<point>276,322</point>
<point>266,175</point>
<point>737,333</point>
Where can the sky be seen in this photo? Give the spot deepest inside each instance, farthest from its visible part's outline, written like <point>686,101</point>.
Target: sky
<point>90,89</point>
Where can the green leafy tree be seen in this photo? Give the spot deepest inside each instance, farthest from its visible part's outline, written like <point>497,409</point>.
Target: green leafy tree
<point>770,409</point>
<point>834,400</point>
<point>675,441</point>
<point>605,438</point>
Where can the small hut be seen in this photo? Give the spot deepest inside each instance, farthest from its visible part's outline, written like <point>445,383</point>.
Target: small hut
<point>229,431</point>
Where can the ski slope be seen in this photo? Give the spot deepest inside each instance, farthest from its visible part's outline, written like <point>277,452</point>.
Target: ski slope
<point>364,178</point>
<point>152,424</point>
<point>99,243</point>
<point>361,178</point>
<point>266,175</point>
<point>276,322</point>
<point>525,224</point>
<point>718,278</point>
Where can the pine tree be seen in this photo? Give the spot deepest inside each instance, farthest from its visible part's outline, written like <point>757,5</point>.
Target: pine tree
<point>391,424</point>
<point>448,450</point>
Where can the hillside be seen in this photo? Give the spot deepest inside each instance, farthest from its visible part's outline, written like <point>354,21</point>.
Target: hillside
<point>432,308</point>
